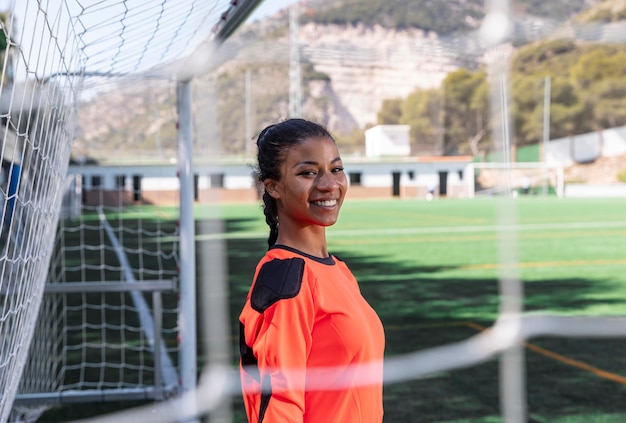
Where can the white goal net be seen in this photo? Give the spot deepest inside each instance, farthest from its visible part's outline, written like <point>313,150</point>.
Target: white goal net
<point>93,305</point>
<point>38,119</point>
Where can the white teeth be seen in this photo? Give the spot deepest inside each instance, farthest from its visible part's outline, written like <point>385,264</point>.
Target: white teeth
<point>327,203</point>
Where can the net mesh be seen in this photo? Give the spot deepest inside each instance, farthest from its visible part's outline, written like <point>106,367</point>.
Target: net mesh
<point>78,288</point>
<point>38,118</point>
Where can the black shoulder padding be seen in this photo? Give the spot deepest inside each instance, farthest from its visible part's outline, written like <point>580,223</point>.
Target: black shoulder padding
<point>277,280</point>
<point>248,360</point>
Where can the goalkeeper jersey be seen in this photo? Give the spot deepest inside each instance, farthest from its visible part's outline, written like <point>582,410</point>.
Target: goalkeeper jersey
<point>302,313</point>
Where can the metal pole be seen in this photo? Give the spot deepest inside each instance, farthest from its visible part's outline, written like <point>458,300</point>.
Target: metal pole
<point>546,130</point>
<point>157,316</point>
<point>295,80</point>
<point>248,100</point>
<point>187,314</point>
<point>214,315</point>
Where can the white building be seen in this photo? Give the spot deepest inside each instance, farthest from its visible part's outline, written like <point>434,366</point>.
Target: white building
<point>387,140</point>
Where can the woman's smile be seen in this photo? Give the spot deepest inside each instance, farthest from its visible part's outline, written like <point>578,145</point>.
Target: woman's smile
<point>325,203</point>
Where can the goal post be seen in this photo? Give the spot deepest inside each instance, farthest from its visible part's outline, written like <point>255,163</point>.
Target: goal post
<point>516,179</point>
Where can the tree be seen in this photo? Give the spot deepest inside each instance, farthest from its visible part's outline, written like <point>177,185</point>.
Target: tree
<point>466,111</point>
<point>390,112</point>
<point>607,101</point>
<point>588,93</point>
<point>527,93</point>
<point>597,65</point>
<point>423,112</point>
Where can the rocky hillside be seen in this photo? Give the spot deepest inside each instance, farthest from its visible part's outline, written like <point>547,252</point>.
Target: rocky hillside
<point>367,65</point>
<point>347,72</point>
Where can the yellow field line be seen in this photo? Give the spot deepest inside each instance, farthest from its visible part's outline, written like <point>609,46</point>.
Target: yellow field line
<point>575,363</point>
<point>536,348</point>
<point>486,237</point>
<point>163,214</point>
<point>599,262</point>
<point>558,357</point>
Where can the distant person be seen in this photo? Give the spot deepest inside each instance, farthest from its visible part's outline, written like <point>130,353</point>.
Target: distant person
<point>304,310</point>
<point>431,191</point>
<point>526,185</point>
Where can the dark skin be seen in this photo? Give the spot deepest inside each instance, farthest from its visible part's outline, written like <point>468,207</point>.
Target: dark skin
<point>309,194</point>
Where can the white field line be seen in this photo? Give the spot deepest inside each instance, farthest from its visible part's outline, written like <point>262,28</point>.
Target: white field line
<point>530,227</point>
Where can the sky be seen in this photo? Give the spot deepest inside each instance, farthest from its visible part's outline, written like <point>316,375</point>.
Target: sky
<point>269,7</point>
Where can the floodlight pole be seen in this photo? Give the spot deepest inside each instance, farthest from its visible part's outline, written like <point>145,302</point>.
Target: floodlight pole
<point>546,130</point>
<point>187,259</point>
<point>295,79</point>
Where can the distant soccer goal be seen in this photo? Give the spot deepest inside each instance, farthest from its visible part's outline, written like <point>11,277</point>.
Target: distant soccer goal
<point>517,179</point>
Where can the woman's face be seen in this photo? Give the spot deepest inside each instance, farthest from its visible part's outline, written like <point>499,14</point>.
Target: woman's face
<point>312,185</point>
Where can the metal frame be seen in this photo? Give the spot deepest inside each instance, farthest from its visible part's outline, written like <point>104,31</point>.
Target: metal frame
<point>156,392</point>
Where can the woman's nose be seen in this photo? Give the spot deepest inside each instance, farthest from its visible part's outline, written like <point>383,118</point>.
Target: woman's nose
<point>326,181</point>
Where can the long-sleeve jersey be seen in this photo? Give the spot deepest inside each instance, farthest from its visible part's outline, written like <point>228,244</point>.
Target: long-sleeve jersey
<point>305,313</point>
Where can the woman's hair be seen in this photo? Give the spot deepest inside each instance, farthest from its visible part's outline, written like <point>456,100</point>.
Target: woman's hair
<point>273,143</point>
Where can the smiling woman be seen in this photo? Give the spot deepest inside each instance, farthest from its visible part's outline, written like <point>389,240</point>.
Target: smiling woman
<point>309,194</point>
<point>304,183</point>
<point>305,310</point>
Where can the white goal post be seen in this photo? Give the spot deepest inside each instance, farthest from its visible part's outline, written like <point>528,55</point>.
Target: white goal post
<point>516,178</point>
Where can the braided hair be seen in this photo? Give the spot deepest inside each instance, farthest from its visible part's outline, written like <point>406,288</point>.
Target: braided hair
<point>273,143</point>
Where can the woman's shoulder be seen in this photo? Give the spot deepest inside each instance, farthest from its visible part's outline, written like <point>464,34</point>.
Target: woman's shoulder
<point>279,276</point>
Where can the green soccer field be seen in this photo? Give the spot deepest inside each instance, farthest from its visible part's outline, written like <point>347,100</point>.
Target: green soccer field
<point>431,270</point>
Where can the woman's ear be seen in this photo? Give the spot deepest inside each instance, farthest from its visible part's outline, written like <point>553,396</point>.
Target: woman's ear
<point>271,188</point>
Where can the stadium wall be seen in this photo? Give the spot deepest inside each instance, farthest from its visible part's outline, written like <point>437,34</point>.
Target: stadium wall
<point>234,182</point>
<point>588,147</point>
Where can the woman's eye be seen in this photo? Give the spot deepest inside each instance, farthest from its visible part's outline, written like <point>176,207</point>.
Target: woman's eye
<point>307,172</point>
<point>338,169</point>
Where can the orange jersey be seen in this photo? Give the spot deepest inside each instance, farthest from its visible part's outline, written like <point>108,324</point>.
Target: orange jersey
<point>303,313</point>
